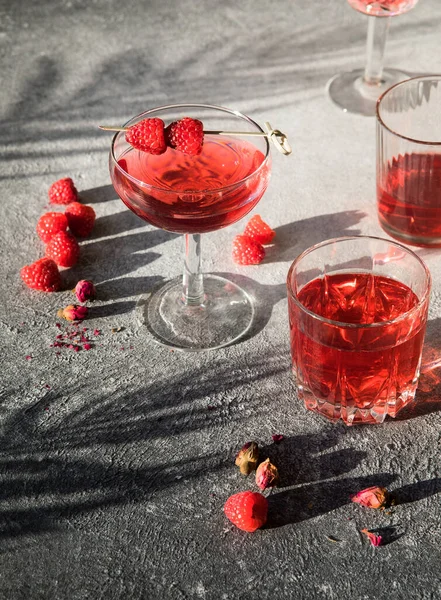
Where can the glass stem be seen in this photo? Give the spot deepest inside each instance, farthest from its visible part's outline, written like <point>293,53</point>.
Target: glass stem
<point>376,44</point>
<point>193,285</point>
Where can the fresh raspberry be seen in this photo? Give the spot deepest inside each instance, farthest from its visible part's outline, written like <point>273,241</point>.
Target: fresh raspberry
<point>259,231</point>
<point>42,275</point>
<point>49,224</point>
<point>63,249</point>
<point>147,136</point>
<point>63,191</point>
<point>186,135</point>
<point>247,510</point>
<point>81,218</point>
<point>246,251</point>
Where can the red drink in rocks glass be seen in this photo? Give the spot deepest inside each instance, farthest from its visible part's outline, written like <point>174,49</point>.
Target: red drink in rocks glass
<point>409,161</point>
<point>193,195</point>
<point>357,311</point>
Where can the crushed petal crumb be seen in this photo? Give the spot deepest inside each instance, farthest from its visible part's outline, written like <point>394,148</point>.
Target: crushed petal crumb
<point>375,540</point>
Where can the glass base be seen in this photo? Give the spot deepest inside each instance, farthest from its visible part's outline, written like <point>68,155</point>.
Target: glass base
<point>224,317</point>
<point>411,240</point>
<point>353,415</point>
<point>352,94</point>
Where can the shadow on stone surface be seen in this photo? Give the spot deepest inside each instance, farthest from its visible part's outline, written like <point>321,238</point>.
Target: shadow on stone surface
<point>102,193</point>
<point>417,491</point>
<point>312,500</point>
<point>428,395</point>
<point>265,298</point>
<point>48,491</point>
<point>111,310</point>
<point>310,464</point>
<point>294,238</point>
<point>127,286</point>
<point>68,454</point>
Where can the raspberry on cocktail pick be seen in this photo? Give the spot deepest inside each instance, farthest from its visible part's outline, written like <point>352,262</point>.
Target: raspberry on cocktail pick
<point>186,135</point>
<point>147,136</point>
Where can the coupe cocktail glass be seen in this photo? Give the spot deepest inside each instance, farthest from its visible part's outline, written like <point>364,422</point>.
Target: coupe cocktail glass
<point>409,161</point>
<point>357,312</point>
<point>193,195</point>
<point>358,91</point>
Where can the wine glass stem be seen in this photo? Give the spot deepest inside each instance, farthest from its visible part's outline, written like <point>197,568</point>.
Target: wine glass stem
<point>193,285</point>
<point>376,44</point>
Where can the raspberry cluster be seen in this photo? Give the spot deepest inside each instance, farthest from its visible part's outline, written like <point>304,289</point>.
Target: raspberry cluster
<point>62,247</point>
<point>248,248</point>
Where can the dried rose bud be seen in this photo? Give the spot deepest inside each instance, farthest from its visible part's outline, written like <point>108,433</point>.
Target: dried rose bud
<point>247,458</point>
<point>375,540</point>
<point>73,312</point>
<point>267,475</point>
<point>373,497</point>
<point>85,290</point>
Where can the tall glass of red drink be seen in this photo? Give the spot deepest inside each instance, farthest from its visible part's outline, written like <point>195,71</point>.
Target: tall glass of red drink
<point>357,313</point>
<point>409,161</point>
<point>192,195</point>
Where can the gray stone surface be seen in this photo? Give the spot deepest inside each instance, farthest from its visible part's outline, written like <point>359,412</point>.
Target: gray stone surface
<point>115,463</point>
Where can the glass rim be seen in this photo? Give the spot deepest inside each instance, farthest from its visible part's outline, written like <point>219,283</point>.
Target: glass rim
<point>405,315</point>
<point>232,112</point>
<point>392,131</point>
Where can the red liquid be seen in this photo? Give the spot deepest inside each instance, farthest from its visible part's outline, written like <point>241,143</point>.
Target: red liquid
<point>383,8</point>
<point>409,199</point>
<point>357,374</point>
<point>187,197</point>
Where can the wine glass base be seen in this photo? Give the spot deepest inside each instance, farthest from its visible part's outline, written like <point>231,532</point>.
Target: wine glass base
<point>352,94</point>
<point>223,318</point>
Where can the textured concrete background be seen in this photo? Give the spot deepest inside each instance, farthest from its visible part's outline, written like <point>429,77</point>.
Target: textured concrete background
<point>115,463</point>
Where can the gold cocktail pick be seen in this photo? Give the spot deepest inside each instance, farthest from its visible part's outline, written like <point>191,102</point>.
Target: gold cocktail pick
<point>275,136</point>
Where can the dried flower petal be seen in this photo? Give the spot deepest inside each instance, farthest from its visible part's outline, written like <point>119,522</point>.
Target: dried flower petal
<point>267,475</point>
<point>28,357</point>
<point>85,290</point>
<point>247,458</point>
<point>73,312</point>
<point>372,497</point>
<point>87,346</point>
<point>277,437</point>
<point>375,540</point>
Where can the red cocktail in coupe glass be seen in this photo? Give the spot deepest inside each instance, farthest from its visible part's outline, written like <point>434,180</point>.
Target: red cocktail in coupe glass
<point>357,312</point>
<point>409,161</point>
<point>194,195</point>
<point>358,91</point>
